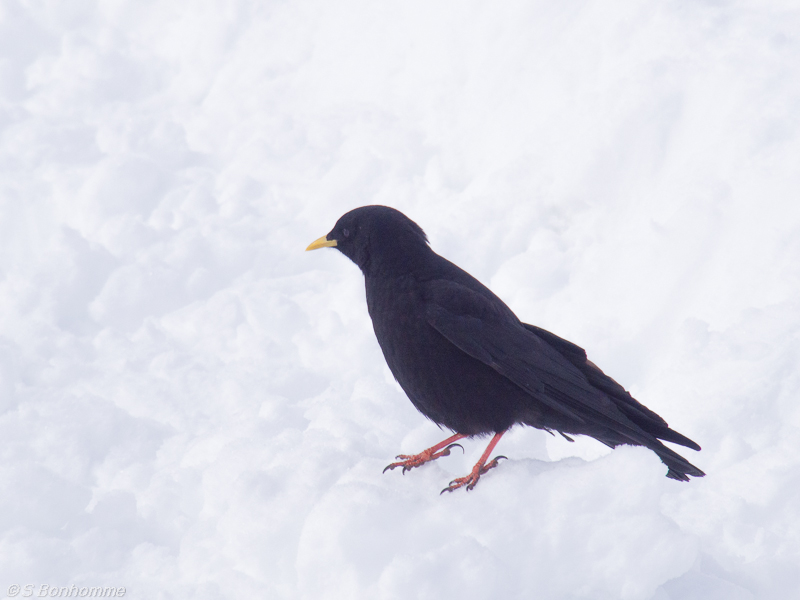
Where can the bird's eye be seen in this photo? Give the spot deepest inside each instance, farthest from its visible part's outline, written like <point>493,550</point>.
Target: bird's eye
<point>346,232</point>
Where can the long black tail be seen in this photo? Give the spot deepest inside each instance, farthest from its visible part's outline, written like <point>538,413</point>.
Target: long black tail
<point>651,427</point>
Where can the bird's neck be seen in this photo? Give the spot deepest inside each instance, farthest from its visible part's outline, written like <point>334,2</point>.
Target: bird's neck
<point>402,259</point>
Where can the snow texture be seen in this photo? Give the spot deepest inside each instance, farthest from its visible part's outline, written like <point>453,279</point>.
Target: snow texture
<point>193,407</point>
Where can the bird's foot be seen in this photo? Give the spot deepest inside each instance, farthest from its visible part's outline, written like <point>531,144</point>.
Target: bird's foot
<point>410,461</point>
<point>471,480</point>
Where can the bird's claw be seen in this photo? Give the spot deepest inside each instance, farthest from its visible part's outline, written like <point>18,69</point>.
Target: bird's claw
<point>492,463</point>
<point>446,451</point>
<point>407,461</point>
<point>392,466</point>
<point>410,461</point>
<point>471,480</point>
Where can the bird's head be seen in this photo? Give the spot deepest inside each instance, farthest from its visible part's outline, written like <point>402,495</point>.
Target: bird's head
<point>379,239</point>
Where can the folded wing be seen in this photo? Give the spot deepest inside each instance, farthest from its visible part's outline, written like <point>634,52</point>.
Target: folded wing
<point>551,370</point>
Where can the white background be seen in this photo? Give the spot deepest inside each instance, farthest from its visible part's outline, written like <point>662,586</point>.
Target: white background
<point>193,407</point>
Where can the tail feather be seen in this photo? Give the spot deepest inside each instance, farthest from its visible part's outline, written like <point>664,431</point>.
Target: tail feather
<point>646,427</point>
<point>679,467</point>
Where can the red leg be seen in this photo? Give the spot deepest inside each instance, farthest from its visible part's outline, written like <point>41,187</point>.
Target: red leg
<point>479,469</point>
<point>409,461</point>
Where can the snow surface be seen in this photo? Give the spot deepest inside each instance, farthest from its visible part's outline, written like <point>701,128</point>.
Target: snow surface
<point>193,407</point>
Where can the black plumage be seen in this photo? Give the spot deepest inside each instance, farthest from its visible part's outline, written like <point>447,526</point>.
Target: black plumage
<point>469,364</point>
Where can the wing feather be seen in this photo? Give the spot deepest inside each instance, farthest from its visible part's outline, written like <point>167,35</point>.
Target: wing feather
<point>492,335</point>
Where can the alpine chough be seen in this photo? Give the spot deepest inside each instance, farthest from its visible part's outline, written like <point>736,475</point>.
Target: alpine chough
<point>469,364</point>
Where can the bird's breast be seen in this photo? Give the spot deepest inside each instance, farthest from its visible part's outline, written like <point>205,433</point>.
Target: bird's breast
<point>398,318</point>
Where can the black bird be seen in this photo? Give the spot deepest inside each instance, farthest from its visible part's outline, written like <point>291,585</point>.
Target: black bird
<point>469,364</point>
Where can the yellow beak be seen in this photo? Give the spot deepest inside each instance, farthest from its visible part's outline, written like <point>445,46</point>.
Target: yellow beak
<point>322,242</point>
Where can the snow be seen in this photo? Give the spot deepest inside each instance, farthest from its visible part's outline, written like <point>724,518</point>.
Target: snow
<point>193,407</point>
